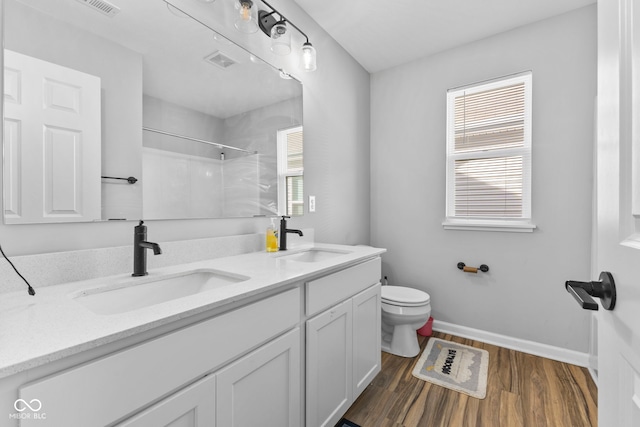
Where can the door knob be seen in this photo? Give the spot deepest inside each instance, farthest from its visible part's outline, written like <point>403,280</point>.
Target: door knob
<point>605,289</point>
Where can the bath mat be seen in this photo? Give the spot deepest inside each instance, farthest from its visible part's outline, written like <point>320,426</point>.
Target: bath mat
<point>346,423</point>
<point>454,366</point>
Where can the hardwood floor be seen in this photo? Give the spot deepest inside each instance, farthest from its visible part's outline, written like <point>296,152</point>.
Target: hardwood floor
<point>522,391</point>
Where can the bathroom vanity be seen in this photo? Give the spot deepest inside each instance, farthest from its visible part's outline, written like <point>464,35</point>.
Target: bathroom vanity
<point>285,339</point>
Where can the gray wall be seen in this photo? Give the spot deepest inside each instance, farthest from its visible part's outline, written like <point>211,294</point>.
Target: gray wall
<point>336,104</point>
<point>523,295</point>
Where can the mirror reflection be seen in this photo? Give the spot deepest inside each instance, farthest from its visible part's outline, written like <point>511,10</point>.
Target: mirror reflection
<point>204,128</point>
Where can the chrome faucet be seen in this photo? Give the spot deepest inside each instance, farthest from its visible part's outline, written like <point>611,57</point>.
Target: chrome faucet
<point>140,245</point>
<point>283,232</point>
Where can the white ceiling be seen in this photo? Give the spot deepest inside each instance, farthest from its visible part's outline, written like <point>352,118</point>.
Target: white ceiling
<point>382,34</point>
<point>172,47</point>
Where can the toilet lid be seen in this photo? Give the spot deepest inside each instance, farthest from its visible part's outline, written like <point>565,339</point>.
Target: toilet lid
<point>400,295</point>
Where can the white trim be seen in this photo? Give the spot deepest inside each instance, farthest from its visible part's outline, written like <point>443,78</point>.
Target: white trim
<point>538,349</point>
<point>490,82</point>
<point>484,225</point>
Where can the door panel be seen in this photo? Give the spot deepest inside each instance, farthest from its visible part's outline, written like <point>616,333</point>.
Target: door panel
<point>262,388</point>
<point>366,338</point>
<point>194,406</point>
<point>52,142</point>
<point>618,210</point>
<point>329,365</point>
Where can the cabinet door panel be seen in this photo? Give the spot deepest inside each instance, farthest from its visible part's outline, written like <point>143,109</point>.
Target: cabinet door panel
<point>262,388</point>
<point>366,338</point>
<point>193,406</point>
<point>329,365</point>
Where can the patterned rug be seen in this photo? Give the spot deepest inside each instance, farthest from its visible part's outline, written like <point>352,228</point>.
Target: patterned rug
<point>454,366</point>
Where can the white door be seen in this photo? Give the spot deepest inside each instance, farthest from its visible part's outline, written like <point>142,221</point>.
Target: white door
<point>618,213</point>
<point>51,142</point>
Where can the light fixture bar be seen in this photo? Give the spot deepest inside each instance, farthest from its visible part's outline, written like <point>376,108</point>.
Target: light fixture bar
<point>282,18</point>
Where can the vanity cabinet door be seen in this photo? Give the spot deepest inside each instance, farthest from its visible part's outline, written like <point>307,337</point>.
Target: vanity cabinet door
<point>262,388</point>
<point>366,338</point>
<point>329,365</point>
<point>193,406</point>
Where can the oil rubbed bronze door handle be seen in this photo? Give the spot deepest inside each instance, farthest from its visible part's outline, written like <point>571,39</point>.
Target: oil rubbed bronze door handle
<point>605,289</point>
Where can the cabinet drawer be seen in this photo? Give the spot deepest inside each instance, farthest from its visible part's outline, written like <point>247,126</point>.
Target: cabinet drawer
<point>107,389</point>
<point>329,290</point>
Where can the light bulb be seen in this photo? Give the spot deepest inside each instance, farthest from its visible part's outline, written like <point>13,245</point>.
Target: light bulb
<point>308,57</point>
<point>246,22</point>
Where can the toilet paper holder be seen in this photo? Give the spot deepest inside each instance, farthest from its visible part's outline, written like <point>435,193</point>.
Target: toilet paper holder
<point>483,267</point>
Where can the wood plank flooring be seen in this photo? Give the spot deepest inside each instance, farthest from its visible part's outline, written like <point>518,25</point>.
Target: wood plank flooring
<point>522,391</point>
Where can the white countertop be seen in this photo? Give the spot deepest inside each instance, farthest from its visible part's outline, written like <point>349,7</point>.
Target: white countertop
<point>51,325</point>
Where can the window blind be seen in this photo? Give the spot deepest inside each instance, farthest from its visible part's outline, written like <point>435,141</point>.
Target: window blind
<point>290,171</point>
<point>488,150</point>
<point>294,151</point>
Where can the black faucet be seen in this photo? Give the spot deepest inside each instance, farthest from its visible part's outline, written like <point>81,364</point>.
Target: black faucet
<point>283,232</point>
<point>140,245</point>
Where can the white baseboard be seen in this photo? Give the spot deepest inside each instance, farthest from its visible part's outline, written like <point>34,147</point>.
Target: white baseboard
<point>538,349</point>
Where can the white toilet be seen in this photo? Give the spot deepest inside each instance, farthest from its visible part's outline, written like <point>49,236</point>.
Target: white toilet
<point>404,310</point>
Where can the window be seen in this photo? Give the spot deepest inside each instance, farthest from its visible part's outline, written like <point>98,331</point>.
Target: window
<point>489,155</point>
<point>290,170</point>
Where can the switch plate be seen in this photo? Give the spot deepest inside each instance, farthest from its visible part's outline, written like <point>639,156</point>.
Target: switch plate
<point>312,203</point>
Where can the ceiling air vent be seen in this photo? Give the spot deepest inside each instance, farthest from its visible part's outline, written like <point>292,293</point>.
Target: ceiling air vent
<point>219,59</point>
<point>101,6</point>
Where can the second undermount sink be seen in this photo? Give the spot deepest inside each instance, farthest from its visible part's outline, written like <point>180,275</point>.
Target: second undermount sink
<point>313,255</point>
<point>136,293</point>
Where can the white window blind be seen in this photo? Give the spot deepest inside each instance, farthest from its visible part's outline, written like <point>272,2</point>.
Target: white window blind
<point>489,151</point>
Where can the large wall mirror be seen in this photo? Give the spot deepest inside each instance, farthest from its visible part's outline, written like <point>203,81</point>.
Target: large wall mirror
<point>141,112</point>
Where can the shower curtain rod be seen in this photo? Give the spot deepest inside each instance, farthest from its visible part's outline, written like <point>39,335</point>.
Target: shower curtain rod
<point>198,140</point>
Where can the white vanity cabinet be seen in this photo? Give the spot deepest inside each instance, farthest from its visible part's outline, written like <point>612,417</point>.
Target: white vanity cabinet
<point>285,357</point>
<point>343,341</point>
<point>260,389</point>
<point>119,385</point>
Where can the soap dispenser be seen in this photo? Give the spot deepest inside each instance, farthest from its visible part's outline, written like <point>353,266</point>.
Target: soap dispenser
<point>272,237</point>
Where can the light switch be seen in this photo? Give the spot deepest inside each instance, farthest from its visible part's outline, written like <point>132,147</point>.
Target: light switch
<point>312,203</point>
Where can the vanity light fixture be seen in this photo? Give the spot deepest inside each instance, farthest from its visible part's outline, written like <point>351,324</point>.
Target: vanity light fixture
<point>280,38</point>
<point>308,57</point>
<point>279,31</point>
<point>246,20</point>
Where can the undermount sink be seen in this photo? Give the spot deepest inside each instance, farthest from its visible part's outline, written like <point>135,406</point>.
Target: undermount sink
<point>313,255</point>
<point>136,293</point>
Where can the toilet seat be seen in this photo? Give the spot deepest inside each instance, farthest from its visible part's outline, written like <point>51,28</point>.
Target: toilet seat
<point>404,297</point>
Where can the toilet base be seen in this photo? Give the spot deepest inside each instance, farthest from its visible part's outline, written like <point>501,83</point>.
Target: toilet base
<point>403,342</point>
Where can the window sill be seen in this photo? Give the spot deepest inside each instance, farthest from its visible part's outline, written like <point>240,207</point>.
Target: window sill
<point>473,225</point>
